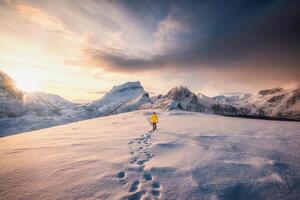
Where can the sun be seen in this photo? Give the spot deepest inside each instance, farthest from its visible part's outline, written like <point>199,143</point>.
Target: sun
<point>25,81</point>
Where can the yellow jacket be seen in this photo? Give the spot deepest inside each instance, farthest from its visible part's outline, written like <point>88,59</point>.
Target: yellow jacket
<point>154,118</point>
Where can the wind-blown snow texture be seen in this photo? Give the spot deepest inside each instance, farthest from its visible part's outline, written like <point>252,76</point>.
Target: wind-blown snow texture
<point>191,156</point>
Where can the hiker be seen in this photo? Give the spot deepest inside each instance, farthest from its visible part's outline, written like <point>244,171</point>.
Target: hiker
<point>154,120</point>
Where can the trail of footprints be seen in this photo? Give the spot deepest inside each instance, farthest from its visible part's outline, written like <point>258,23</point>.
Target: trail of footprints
<point>144,186</point>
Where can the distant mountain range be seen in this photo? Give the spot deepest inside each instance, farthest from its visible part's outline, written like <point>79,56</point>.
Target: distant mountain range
<point>20,111</point>
<point>276,103</point>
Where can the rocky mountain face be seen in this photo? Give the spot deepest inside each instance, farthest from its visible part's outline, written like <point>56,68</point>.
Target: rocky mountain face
<point>179,98</point>
<point>11,98</point>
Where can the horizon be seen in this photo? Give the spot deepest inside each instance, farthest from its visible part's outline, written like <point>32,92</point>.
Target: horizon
<point>151,95</point>
<point>80,50</point>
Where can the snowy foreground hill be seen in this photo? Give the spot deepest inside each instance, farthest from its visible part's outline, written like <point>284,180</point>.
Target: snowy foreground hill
<point>191,156</point>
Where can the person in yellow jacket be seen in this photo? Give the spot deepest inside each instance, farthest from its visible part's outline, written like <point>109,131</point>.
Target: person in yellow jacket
<point>154,120</point>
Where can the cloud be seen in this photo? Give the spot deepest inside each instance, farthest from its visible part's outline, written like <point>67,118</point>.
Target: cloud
<point>168,32</point>
<point>261,35</point>
<point>118,62</point>
<point>40,18</point>
<point>207,44</point>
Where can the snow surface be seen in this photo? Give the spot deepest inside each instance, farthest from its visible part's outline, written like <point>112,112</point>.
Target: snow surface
<point>191,156</point>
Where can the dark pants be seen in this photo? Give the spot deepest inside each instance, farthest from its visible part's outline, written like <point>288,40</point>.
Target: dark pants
<point>154,126</point>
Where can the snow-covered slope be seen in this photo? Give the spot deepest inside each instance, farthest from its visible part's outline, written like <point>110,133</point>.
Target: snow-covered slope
<point>123,98</point>
<point>191,156</point>
<point>205,100</point>
<point>46,104</point>
<point>221,99</point>
<point>46,99</point>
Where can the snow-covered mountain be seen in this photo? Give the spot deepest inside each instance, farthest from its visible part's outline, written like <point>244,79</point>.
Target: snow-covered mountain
<point>276,102</point>
<point>16,103</point>
<point>273,103</point>
<point>230,99</point>
<point>40,110</point>
<point>46,104</point>
<point>47,99</point>
<point>179,98</point>
<point>11,98</point>
<point>20,111</point>
<point>123,98</point>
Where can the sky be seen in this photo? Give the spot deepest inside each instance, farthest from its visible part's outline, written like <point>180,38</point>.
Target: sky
<point>80,49</point>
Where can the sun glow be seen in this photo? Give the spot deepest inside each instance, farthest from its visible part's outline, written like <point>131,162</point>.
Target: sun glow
<point>25,81</point>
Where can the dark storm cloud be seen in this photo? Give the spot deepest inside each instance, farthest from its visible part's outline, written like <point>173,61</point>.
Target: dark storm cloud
<point>248,33</point>
<point>120,62</point>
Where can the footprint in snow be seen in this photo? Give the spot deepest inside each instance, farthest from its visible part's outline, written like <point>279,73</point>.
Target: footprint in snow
<point>120,175</point>
<point>136,195</point>
<point>134,160</point>
<point>147,176</point>
<point>155,189</point>
<point>155,192</point>
<point>140,162</point>
<point>141,153</point>
<point>134,186</point>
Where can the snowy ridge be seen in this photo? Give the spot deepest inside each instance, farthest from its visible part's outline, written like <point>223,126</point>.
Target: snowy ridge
<point>179,98</point>
<point>276,102</point>
<point>123,98</point>
<point>46,99</point>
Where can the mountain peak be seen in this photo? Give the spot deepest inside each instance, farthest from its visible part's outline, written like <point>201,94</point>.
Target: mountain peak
<point>179,92</point>
<point>136,85</point>
<point>270,91</point>
<point>8,87</point>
